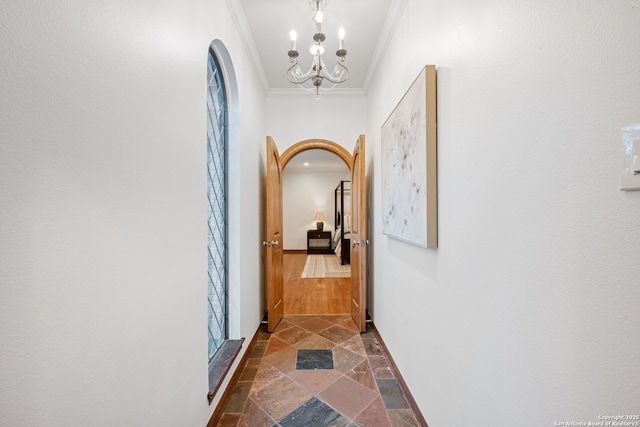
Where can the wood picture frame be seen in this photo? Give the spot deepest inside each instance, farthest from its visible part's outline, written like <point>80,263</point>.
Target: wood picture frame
<point>409,165</point>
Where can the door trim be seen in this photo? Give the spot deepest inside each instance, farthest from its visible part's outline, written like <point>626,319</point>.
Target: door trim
<point>312,144</point>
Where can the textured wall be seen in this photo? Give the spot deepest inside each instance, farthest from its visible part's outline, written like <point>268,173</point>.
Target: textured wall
<point>527,312</point>
<point>103,220</point>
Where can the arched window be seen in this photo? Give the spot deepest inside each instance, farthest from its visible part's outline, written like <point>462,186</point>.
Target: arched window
<point>223,212</point>
<point>217,149</point>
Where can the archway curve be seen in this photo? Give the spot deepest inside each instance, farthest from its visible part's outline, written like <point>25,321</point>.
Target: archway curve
<point>312,144</point>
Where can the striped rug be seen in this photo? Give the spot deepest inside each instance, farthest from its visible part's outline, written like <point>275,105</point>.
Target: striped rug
<point>323,266</point>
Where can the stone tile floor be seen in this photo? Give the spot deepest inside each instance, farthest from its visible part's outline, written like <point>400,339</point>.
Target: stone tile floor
<point>317,371</point>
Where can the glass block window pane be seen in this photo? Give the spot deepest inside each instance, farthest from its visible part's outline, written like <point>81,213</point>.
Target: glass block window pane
<point>217,205</point>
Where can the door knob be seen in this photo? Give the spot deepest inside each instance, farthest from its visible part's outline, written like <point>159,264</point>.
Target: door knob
<point>365,242</point>
<point>266,244</point>
<point>355,244</point>
<point>275,243</point>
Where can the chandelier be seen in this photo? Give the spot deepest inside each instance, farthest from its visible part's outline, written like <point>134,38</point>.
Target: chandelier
<point>318,72</point>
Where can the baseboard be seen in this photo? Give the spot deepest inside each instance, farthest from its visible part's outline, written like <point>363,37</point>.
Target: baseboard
<point>222,404</point>
<point>295,252</point>
<point>403,385</point>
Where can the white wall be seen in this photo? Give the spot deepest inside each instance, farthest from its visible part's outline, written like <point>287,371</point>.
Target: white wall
<point>527,313</point>
<point>303,194</point>
<point>340,118</point>
<point>103,222</point>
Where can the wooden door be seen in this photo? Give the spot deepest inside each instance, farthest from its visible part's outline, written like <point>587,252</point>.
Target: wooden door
<point>359,242</point>
<point>273,239</point>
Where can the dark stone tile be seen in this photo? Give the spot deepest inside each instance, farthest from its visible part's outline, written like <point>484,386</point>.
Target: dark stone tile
<point>402,418</point>
<point>238,398</point>
<point>263,336</point>
<point>314,413</point>
<point>372,347</point>
<point>249,372</point>
<point>380,367</point>
<point>369,333</point>
<point>315,359</point>
<point>391,394</point>
<point>258,349</point>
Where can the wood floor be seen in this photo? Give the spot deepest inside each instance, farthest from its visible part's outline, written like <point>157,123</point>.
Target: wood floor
<point>312,296</point>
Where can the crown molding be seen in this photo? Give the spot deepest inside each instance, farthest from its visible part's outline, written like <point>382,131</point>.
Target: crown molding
<point>386,34</point>
<point>388,30</point>
<point>241,23</point>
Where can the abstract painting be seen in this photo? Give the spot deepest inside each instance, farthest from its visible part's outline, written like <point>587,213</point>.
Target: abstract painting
<point>409,165</point>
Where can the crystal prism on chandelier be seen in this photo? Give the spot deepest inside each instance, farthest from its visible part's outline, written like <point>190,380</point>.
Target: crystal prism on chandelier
<point>318,72</point>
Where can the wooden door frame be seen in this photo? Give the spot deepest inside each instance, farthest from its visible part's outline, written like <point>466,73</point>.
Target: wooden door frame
<point>315,144</point>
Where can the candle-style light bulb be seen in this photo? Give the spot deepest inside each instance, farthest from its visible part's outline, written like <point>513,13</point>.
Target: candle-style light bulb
<point>341,37</point>
<point>293,36</point>
<point>319,20</point>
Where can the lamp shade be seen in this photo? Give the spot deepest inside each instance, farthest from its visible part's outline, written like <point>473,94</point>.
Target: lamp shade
<point>319,219</point>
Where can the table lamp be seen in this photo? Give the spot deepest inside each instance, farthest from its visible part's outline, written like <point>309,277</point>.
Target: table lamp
<point>319,218</point>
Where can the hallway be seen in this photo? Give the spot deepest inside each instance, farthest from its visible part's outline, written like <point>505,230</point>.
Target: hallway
<point>317,371</point>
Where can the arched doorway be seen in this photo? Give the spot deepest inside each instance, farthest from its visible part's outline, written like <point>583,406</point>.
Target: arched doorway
<point>273,224</point>
<point>316,275</point>
<point>313,144</point>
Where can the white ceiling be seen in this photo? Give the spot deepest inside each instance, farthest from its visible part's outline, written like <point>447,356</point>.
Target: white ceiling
<point>270,22</point>
<point>367,25</point>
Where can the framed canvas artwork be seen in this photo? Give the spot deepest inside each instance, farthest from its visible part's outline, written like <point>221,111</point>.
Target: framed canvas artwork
<point>409,165</point>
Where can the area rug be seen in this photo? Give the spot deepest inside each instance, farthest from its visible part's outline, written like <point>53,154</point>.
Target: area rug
<point>324,266</point>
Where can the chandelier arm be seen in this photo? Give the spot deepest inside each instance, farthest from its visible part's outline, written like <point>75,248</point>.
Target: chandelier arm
<point>328,88</point>
<point>298,79</point>
<point>307,89</point>
<point>341,77</point>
